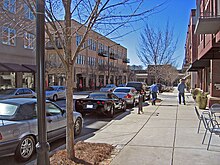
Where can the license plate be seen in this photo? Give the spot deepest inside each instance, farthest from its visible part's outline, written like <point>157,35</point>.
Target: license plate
<point>89,106</point>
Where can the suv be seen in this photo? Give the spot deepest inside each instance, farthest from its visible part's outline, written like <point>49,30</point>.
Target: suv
<point>140,86</point>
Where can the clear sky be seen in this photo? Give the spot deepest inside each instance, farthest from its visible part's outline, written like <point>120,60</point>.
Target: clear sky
<point>177,12</point>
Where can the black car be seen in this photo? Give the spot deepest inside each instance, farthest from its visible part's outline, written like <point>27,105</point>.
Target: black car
<point>105,103</point>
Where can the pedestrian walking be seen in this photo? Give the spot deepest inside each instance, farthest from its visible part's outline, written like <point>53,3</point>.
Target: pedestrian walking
<point>181,89</point>
<point>140,104</point>
<point>154,91</point>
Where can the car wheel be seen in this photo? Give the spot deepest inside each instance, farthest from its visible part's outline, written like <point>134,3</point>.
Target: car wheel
<point>25,149</point>
<point>78,126</point>
<point>111,112</point>
<point>54,98</point>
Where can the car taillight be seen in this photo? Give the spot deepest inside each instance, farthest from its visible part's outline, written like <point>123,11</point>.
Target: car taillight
<point>1,136</point>
<point>99,102</point>
<point>128,96</point>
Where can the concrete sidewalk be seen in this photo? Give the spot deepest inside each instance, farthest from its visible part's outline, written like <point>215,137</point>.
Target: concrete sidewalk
<point>166,134</point>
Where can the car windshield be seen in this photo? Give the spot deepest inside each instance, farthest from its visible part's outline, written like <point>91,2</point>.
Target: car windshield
<point>7,91</point>
<point>50,89</point>
<point>7,109</point>
<point>98,95</point>
<point>122,90</point>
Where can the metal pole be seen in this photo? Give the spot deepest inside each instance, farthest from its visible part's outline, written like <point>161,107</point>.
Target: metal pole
<point>108,66</point>
<point>42,146</point>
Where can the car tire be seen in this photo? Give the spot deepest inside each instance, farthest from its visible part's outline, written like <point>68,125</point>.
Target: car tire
<point>78,126</point>
<point>55,98</point>
<point>25,149</point>
<point>111,112</point>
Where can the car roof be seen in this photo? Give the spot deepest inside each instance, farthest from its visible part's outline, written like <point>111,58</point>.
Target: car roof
<point>20,101</point>
<point>124,88</point>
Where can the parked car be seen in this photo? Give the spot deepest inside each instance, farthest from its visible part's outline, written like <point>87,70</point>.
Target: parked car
<point>18,126</point>
<point>17,93</point>
<point>129,94</point>
<point>108,88</point>
<point>105,103</point>
<point>140,86</point>
<point>55,92</point>
<point>121,85</point>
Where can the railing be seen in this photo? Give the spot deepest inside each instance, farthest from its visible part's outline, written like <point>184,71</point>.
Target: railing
<point>126,60</point>
<point>208,15</point>
<point>49,45</point>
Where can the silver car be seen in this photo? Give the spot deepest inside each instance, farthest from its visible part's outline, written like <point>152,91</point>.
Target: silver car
<point>129,94</point>
<point>18,126</point>
<point>16,93</point>
<point>55,92</point>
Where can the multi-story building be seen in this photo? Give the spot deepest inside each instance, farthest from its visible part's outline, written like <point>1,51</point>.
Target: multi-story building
<point>205,57</point>
<point>17,64</point>
<point>99,59</point>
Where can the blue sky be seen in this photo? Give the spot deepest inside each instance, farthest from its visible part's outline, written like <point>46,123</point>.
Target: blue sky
<point>177,12</point>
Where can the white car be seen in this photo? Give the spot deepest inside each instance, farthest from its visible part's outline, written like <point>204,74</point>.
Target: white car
<point>56,92</point>
<point>129,94</point>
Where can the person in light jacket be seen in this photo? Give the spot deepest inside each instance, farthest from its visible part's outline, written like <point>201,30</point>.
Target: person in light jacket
<point>181,89</point>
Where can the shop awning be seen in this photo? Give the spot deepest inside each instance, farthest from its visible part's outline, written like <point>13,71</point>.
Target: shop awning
<point>4,69</point>
<point>33,68</point>
<point>198,64</point>
<point>15,67</point>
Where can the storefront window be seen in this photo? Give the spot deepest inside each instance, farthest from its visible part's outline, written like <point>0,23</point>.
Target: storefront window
<point>7,80</point>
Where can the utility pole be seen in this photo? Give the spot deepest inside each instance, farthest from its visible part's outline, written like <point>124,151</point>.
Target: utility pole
<point>42,146</point>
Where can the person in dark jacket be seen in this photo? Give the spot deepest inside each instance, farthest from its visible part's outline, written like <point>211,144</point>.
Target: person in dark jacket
<point>181,89</point>
<point>154,90</point>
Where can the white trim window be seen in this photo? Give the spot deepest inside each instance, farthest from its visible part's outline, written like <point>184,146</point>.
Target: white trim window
<point>10,5</point>
<point>8,36</point>
<point>28,14</point>
<point>28,40</point>
<point>80,59</point>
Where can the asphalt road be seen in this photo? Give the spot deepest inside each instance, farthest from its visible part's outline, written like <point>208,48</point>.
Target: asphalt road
<point>92,123</point>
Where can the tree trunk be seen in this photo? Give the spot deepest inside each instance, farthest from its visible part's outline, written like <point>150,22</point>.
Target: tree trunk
<point>69,108</point>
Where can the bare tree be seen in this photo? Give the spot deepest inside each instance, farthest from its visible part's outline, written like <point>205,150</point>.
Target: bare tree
<point>103,16</point>
<point>156,48</point>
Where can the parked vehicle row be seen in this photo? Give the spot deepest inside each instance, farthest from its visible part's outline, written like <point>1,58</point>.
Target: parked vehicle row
<point>52,93</point>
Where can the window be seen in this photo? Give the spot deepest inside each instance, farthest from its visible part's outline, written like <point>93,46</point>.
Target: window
<point>8,36</point>
<point>28,40</point>
<point>10,5</point>
<point>28,13</point>
<point>80,59</point>
<point>91,61</point>
<point>52,110</point>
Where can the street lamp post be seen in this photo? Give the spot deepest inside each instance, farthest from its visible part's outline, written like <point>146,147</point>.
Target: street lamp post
<point>42,146</point>
<point>109,61</point>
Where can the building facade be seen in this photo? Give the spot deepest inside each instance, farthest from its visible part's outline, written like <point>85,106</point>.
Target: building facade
<point>101,61</point>
<point>205,57</point>
<point>17,64</point>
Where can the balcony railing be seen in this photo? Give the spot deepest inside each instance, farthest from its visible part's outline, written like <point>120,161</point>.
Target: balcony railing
<point>207,23</point>
<point>126,60</point>
<point>102,53</point>
<point>49,45</point>
<point>113,56</point>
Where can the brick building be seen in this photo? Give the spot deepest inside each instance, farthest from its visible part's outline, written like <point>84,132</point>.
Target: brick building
<point>203,47</point>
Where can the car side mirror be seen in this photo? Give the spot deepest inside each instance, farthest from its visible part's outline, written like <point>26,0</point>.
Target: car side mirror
<point>63,111</point>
